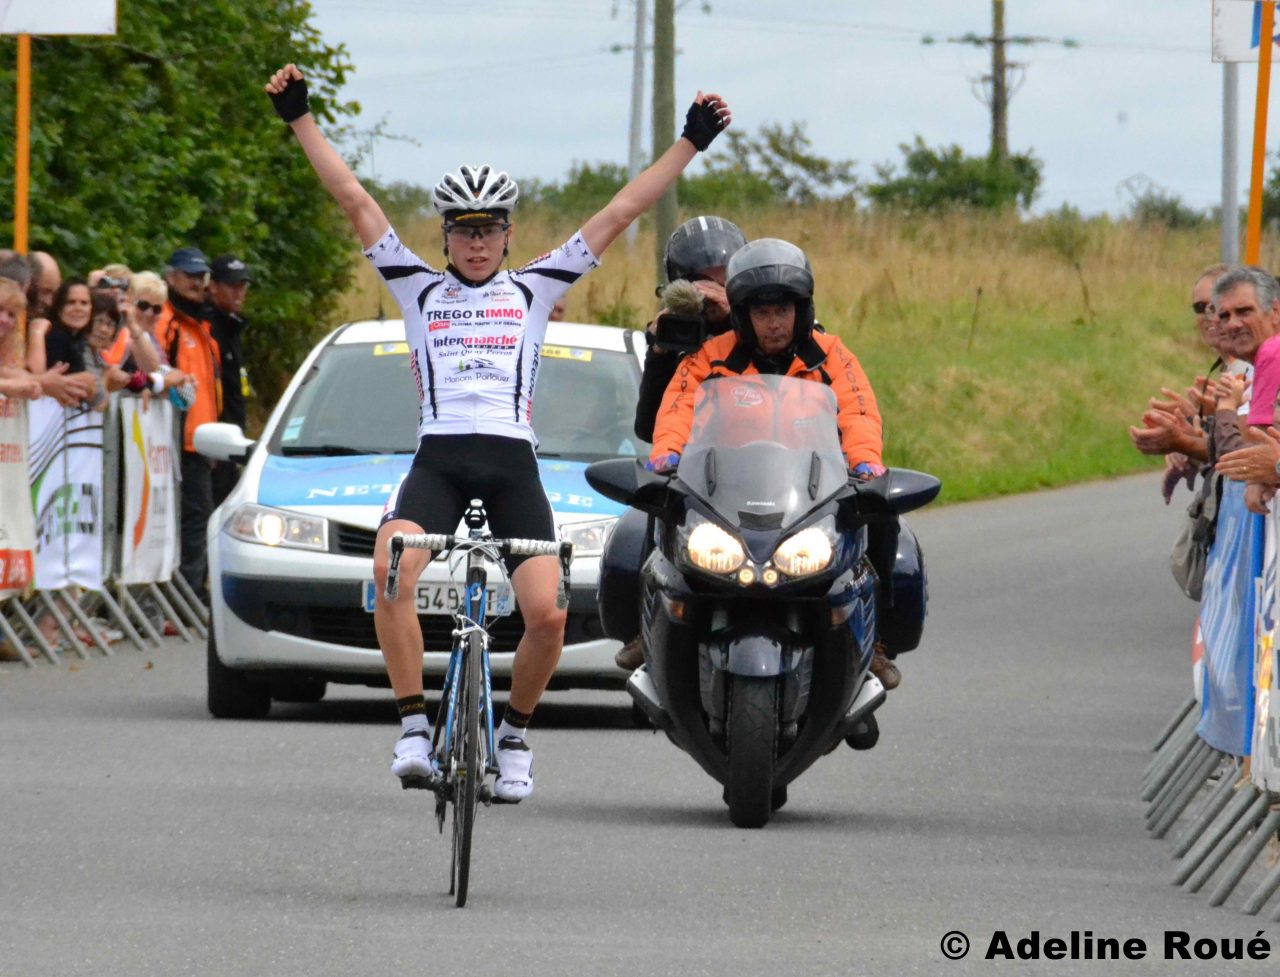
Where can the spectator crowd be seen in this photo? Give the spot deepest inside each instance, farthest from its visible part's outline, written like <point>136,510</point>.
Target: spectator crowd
<point>178,334</point>
<point>1218,436</point>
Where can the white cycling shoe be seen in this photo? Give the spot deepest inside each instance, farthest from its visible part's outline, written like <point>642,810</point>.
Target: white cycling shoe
<point>414,761</point>
<point>515,770</point>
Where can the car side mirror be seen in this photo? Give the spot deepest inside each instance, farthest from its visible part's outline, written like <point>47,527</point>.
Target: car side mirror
<point>222,442</point>
<point>897,491</point>
<point>627,481</point>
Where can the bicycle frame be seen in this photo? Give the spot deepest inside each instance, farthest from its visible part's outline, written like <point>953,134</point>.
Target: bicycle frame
<point>456,729</point>
<point>470,616</point>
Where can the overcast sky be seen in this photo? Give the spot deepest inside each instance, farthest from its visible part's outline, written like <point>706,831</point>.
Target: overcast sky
<point>531,85</point>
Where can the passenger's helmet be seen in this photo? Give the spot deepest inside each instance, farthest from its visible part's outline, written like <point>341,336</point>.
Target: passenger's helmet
<point>703,242</point>
<point>767,272</point>
<point>475,193</point>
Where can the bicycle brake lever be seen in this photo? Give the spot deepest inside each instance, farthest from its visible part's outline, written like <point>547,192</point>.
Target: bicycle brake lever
<point>395,546</point>
<point>562,589</point>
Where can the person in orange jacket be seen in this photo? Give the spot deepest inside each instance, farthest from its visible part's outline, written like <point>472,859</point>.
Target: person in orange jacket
<point>769,284</point>
<point>183,333</point>
<point>770,290</point>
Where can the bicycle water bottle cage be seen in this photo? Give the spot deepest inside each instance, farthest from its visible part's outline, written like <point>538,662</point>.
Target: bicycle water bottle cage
<point>475,517</point>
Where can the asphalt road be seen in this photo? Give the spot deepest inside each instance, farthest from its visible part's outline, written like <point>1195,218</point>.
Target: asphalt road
<point>142,837</point>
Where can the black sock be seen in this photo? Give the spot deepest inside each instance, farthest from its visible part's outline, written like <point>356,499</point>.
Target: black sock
<point>412,705</point>
<point>514,717</point>
<point>413,713</point>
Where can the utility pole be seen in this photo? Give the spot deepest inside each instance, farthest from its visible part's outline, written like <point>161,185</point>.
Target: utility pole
<point>999,87</point>
<point>635,155</point>
<point>664,118</point>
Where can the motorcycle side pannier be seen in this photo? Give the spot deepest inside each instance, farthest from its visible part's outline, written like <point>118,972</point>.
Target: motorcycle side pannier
<point>902,623</point>
<point>618,600</point>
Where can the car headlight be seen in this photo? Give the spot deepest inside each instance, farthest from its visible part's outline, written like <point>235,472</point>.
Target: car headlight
<point>807,552</point>
<point>278,527</point>
<point>588,538</point>
<point>711,548</point>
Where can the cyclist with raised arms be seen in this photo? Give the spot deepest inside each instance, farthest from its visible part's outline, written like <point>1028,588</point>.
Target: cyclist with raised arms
<point>475,333</point>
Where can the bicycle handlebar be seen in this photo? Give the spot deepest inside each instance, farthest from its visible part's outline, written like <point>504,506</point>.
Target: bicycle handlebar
<point>438,542</point>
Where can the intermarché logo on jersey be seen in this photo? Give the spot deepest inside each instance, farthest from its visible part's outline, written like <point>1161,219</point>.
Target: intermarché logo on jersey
<point>495,343</point>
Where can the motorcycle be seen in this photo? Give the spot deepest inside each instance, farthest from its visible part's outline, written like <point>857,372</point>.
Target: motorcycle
<point>757,603</point>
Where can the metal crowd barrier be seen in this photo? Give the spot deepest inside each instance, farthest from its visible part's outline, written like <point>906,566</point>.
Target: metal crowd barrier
<point>80,616</point>
<point>1227,802</point>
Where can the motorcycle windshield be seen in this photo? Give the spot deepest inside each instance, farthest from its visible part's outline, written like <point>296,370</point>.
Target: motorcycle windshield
<point>763,450</point>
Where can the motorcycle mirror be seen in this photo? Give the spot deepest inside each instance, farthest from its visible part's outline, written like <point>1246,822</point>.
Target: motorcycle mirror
<point>627,481</point>
<point>897,491</point>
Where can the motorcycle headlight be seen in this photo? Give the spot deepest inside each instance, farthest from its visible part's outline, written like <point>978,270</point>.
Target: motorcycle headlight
<point>807,552</point>
<point>588,538</point>
<point>278,527</point>
<point>711,548</point>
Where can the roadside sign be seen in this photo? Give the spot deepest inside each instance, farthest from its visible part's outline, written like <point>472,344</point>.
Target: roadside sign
<point>57,16</point>
<point>1237,25</point>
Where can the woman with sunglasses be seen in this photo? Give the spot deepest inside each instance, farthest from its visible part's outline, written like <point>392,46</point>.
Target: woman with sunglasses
<point>146,296</point>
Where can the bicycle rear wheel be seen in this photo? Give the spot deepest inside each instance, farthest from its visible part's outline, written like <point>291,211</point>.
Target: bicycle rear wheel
<point>467,782</point>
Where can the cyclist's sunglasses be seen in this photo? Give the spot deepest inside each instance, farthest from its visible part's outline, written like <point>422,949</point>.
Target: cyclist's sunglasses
<point>482,232</point>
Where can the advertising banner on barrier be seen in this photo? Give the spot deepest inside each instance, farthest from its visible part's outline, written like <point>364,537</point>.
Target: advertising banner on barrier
<point>66,493</point>
<point>1265,768</point>
<point>17,521</point>
<point>149,532</point>
<point>1226,622</point>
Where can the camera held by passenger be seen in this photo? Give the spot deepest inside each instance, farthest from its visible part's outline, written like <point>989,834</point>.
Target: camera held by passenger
<point>681,328</point>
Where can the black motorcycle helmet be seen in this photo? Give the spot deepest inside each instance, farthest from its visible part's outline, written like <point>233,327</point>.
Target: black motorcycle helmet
<point>703,242</point>
<point>767,272</point>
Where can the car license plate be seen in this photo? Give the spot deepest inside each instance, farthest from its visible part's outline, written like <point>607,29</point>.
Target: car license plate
<point>444,598</point>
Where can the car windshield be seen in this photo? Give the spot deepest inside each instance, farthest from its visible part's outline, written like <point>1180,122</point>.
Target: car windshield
<point>360,399</point>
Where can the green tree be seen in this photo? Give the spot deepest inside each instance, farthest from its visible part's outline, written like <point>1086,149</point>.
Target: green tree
<point>779,161</point>
<point>587,188</point>
<point>1153,204</point>
<point>1270,196</point>
<point>162,136</point>
<point>945,178</point>
<point>776,166</point>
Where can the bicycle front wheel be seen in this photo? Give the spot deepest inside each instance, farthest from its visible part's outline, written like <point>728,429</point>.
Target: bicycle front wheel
<point>468,769</point>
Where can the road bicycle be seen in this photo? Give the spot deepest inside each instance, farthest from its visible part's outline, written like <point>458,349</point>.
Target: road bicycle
<point>464,731</point>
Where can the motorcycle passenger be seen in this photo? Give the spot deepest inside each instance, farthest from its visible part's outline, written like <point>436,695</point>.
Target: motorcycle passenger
<point>770,291</point>
<point>475,437</point>
<point>697,252</point>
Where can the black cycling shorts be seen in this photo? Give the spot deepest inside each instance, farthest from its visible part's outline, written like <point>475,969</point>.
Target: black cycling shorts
<point>449,470</point>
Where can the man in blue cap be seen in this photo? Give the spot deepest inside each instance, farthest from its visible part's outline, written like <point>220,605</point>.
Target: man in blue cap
<point>228,283</point>
<point>184,334</point>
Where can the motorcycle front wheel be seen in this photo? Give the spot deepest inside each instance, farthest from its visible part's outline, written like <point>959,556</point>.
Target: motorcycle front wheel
<point>752,737</point>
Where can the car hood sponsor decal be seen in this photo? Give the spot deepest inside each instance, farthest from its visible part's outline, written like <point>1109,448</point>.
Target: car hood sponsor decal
<point>568,491</point>
<point>343,480</point>
<point>367,480</point>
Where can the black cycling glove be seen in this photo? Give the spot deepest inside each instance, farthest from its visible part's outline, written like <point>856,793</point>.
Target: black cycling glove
<point>291,104</point>
<point>703,123</point>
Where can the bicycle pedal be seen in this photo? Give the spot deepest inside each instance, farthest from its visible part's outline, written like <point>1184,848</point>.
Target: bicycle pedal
<point>416,782</point>
<point>484,794</point>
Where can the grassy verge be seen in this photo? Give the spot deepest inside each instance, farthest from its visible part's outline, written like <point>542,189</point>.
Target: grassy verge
<point>1006,355</point>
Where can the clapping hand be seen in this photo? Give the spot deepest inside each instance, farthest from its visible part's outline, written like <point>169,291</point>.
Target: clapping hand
<point>1256,463</point>
<point>1229,389</point>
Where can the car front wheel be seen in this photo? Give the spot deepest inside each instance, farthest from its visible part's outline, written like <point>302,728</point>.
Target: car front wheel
<point>232,694</point>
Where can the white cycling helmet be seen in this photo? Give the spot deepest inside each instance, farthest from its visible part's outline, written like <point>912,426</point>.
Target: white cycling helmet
<point>475,192</point>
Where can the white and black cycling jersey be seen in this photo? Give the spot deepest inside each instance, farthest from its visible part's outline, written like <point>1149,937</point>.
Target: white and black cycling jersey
<point>475,348</point>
